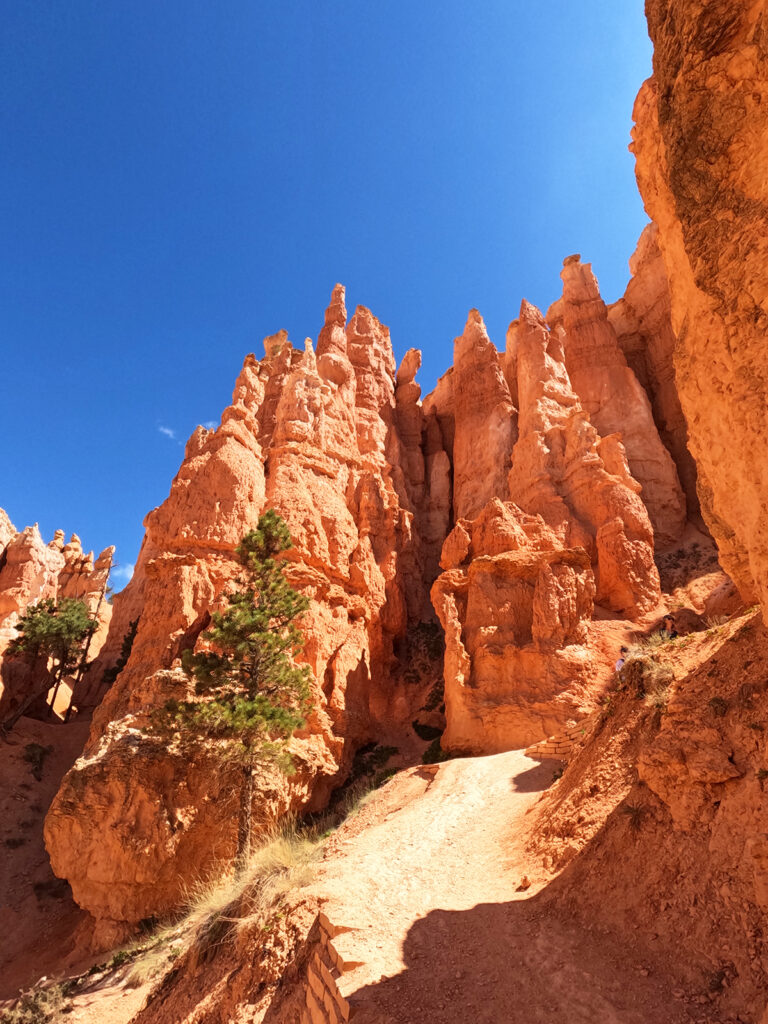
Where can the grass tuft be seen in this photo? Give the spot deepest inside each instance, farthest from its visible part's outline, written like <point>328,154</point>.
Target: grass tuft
<point>37,1006</point>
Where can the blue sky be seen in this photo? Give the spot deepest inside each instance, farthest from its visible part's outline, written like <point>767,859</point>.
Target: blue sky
<point>181,178</point>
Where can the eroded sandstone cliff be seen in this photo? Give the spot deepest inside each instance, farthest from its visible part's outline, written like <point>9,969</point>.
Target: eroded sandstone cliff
<point>536,479</point>
<point>700,145</point>
<point>31,571</point>
<point>333,442</point>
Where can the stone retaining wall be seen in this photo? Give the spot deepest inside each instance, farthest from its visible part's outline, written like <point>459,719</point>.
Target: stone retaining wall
<point>324,999</point>
<point>563,745</point>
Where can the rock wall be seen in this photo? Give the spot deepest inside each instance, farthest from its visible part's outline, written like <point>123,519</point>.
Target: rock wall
<point>663,809</point>
<point>613,397</point>
<point>700,145</point>
<point>544,514</point>
<point>514,603</point>
<point>334,443</point>
<point>642,320</point>
<point>31,571</point>
<point>579,482</point>
<point>484,418</point>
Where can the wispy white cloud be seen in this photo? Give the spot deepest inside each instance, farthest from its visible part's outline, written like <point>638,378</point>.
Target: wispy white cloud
<point>123,573</point>
<point>210,424</point>
<point>168,432</point>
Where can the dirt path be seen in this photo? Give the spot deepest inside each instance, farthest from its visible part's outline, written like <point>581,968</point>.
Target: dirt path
<point>428,877</point>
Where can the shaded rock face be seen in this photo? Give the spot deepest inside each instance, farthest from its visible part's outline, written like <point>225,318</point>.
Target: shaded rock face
<point>700,143</point>
<point>514,603</point>
<point>31,571</point>
<point>642,320</point>
<point>334,443</point>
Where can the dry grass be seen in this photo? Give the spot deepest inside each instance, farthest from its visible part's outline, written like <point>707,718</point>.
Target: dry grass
<point>282,863</point>
<point>43,1005</point>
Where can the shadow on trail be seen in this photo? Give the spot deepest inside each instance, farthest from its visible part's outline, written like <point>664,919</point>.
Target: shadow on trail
<point>527,961</point>
<point>536,779</point>
<point>516,963</point>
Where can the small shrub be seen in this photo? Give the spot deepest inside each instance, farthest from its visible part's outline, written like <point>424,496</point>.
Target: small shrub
<point>370,758</point>
<point>434,754</point>
<point>435,696</point>
<point>653,640</point>
<point>122,956</point>
<point>762,773</point>
<point>635,814</point>
<point>14,842</point>
<point>126,647</point>
<point>425,731</point>
<point>35,755</point>
<point>718,706</point>
<point>37,1006</point>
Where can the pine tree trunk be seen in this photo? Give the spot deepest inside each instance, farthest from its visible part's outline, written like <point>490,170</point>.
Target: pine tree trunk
<point>25,705</point>
<point>245,823</point>
<point>84,658</point>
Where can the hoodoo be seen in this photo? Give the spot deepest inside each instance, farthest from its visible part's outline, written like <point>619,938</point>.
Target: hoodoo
<point>370,480</point>
<point>550,557</point>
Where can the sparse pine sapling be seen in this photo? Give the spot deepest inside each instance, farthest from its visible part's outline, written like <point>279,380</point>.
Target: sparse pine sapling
<point>50,631</point>
<point>249,692</point>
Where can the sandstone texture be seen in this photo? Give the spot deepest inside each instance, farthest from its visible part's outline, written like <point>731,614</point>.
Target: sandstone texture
<point>663,808</point>
<point>522,493</point>
<point>642,320</point>
<point>613,397</point>
<point>333,442</point>
<point>31,571</point>
<point>700,145</point>
<point>577,481</point>
<point>484,418</point>
<point>514,605</point>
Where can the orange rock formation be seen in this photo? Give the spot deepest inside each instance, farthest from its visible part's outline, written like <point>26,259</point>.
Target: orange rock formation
<point>700,145</point>
<point>513,603</point>
<point>332,443</point>
<point>613,397</point>
<point>546,514</point>
<point>30,571</point>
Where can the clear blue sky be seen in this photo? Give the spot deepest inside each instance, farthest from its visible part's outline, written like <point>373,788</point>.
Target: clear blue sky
<point>180,178</point>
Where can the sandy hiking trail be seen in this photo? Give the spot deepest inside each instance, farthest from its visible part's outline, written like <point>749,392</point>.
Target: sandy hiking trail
<point>432,881</point>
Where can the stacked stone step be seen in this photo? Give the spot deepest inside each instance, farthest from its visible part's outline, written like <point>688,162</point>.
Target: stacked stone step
<point>563,745</point>
<point>325,1001</point>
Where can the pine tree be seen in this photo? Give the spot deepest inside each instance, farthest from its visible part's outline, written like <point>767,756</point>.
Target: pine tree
<point>50,631</point>
<point>250,694</point>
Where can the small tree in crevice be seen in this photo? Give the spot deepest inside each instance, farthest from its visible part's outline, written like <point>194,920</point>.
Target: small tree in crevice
<point>111,674</point>
<point>249,693</point>
<point>48,631</point>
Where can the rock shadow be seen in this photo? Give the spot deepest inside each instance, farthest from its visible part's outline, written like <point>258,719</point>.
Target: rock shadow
<point>522,962</point>
<point>536,779</point>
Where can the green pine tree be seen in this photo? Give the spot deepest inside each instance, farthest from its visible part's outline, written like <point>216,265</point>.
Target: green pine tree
<point>47,632</point>
<point>250,694</point>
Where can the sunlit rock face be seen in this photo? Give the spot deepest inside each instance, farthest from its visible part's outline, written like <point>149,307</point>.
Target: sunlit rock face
<point>333,441</point>
<point>513,602</point>
<point>577,481</point>
<point>496,504</point>
<point>484,418</point>
<point>32,571</point>
<point>701,145</point>
<point>614,399</point>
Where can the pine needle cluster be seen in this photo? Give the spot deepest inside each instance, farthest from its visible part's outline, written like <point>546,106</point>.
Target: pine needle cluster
<point>248,688</point>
